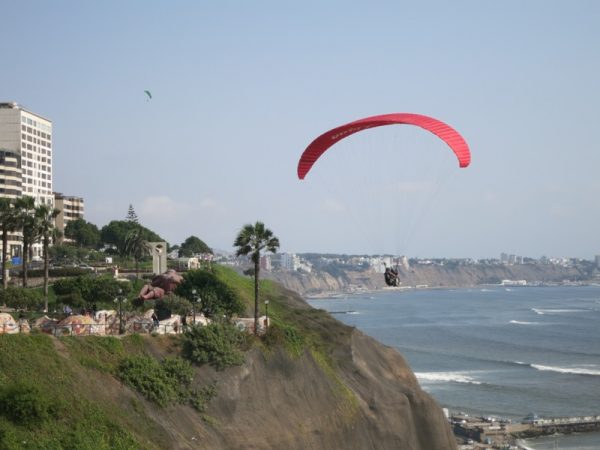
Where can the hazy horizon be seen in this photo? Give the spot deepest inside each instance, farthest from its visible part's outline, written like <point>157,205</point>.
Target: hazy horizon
<point>239,91</point>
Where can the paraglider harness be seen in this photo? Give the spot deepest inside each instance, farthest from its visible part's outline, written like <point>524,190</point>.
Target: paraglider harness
<point>391,276</point>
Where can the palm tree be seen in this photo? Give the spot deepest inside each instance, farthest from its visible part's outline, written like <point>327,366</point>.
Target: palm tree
<point>45,217</point>
<point>251,240</point>
<point>25,209</point>
<point>135,246</point>
<point>8,224</point>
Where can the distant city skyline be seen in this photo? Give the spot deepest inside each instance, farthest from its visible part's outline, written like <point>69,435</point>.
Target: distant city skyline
<point>239,90</point>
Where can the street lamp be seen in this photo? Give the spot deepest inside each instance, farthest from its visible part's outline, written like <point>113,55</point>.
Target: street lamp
<point>120,300</point>
<point>266,314</point>
<point>195,299</point>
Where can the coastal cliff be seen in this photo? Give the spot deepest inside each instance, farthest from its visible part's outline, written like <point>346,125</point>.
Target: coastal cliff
<point>362,395</point>
<point>432,276</point>
<point>314,384</point>
<point>354,394</point>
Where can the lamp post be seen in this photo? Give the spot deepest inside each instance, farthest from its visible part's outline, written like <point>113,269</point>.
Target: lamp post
<point>195,299</point>
<point>266,314</point>
<point>120,301</point>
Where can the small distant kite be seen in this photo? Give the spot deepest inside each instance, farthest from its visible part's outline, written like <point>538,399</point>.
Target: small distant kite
<point>149,94</point>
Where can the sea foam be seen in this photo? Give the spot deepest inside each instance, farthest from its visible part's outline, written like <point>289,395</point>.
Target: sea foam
<point>518,322</point>
<point>542,312</point>
<point>571,370</point>
<point>446,377</point>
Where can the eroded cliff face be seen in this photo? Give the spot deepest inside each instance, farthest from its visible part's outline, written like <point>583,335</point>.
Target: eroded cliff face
<point>344,391</point>
<point>430,276</point>
<point>372,401</point>
<point>353,393</point>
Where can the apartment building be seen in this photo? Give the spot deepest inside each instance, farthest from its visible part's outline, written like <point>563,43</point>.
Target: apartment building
<point>71,208</point>
<point>25,159</point>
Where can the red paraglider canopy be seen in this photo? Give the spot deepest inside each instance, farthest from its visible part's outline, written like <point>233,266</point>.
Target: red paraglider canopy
<point>329,138</point>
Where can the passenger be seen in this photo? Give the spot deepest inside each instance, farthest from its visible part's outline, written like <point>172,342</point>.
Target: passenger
<point>391,277</point>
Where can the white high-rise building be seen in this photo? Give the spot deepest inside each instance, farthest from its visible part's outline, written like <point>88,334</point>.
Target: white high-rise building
<point>25,156</point>
<point>29,135</point>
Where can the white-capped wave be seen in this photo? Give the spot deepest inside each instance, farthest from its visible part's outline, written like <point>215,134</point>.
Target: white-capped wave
<point>572,370</point>
<point>542,312</point>
<point>446,377</point>
<point>523,444</point>
<point>352,312</point>
<point>519,322</point>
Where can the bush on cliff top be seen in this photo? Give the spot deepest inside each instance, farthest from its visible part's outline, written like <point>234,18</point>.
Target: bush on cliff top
<point>218,344</point>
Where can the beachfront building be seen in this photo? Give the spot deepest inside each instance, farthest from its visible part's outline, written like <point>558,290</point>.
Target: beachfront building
<point>10,186</point>
<point>25,160</point>
<point>71,208</point>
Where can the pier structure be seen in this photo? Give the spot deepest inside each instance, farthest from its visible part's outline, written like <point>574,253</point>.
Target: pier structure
<point>474,431</point>
<point>543,426</point>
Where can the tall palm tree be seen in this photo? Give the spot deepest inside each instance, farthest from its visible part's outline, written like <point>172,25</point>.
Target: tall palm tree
<point>251,240</point>
<point>25,209</point>
<point>45,217</point>
<point>8,224</point>
<point>136,247</point>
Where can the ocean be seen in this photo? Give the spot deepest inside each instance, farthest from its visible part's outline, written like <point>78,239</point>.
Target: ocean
<point>497,351</point>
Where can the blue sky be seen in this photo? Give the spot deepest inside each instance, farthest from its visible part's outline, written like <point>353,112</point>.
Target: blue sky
<point>241,88</point>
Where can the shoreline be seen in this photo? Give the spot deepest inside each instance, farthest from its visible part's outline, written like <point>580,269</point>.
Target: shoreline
<point>339,294</point>
<point>525,435</point>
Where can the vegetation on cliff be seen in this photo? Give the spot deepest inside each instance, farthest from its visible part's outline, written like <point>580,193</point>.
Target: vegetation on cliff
<point>311,381</point>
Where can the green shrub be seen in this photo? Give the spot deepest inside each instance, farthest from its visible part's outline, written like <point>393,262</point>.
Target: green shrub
<point>163,382</point>
<point>145,375</point>
<point>25,404</point>
<point>171,304</point>
<point>287,336</point>
<point>181,373</point>
<point>88,289</point>
<point>200,397</point>
<point>21,298</point>
<point>178,369</point>
<point>217,344</point>
<point>216,297</point>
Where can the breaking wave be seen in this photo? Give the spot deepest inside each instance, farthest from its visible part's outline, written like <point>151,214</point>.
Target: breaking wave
<point>446,377</point>
<point>542,312</point>
<point>571,370</point>
<point>518,322</point>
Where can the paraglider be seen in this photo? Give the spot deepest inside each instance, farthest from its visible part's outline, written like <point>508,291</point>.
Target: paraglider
<point>446,133</point>
<point>326,140</point>
<point>391,277</point>
<point>149,94</point>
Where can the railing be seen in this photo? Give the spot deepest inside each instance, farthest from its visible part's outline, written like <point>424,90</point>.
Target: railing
<point>113,329</point>
<point>96,329</point>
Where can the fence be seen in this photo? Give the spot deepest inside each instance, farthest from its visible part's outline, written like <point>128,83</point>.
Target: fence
<point>85,329</point>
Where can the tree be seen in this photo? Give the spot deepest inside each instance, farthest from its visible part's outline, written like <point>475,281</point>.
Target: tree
<point>192,246</point>
<point>44,219</point>
<point>117,230</point>
<point>131,215</point>
<point>215,297</point>
<point>25,210</point>
<point>135,246</point>
<point>8,224</point>
<point>251,240</point>
<point>84,234</point>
